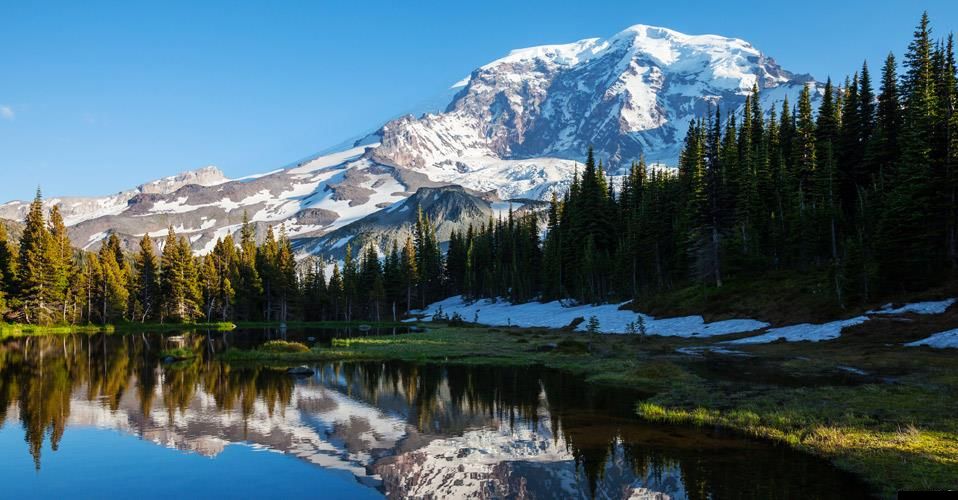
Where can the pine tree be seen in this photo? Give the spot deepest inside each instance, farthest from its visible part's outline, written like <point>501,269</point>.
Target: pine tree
<point>267,265</point>
<point>909,257</point>
<point>147,279</point>
<point>249,285</point>
<point>59,261</point>
<point>428,259</point>
<point>111,290</point>
<point>350,283</point>
<point>5,278</point>
<point>410,271</point>
<point>287,286</point>
<point>33,271</point>
<point>336,292</point>
<point>393,280</point>
<point>179,280</point>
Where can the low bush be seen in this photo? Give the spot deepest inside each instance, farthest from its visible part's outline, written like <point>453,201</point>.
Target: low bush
<point>283,346</point>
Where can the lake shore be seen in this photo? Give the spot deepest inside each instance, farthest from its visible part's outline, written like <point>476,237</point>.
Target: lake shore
<point>871,406</point>
<point>23,329</point>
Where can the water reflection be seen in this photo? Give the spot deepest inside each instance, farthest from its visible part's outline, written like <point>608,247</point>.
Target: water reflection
<point>404,429</point>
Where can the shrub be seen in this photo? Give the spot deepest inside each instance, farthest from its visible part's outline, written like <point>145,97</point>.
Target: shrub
<point>439,315</point>
<point>456,320</point>
<point>572,347</point>
<point>283,346</point>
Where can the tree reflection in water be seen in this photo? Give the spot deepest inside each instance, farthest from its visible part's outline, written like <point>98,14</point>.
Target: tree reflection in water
<point>405,428</point>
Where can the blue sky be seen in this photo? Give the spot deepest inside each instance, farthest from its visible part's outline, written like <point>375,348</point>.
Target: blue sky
<point>96,97</point>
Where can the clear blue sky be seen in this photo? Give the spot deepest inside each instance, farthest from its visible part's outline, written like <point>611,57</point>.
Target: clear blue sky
<point>96,96</point>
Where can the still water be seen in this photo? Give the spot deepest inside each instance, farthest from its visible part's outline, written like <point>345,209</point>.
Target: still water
<point>101,416</point>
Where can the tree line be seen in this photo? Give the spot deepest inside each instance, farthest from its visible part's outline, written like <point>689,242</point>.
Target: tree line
<point>862,190</point>
<point>44,280</point>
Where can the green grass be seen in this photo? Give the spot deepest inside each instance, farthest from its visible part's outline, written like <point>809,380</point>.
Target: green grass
<point>319,324</point>
<point>20,329</point>
<point>283,346</point>
<point>894,435</point>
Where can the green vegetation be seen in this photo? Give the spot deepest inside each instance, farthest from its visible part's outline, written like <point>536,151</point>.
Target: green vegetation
<point>321,324</point>
<point>889,423</point>
<point>283,346</point>
<point>20,329</point>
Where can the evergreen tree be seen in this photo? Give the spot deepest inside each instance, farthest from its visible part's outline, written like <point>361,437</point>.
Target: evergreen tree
<point>147,280</point>
<point>32,278</point>
<point>111,291</point>
<point>60,265</point>
<point>909,258</point>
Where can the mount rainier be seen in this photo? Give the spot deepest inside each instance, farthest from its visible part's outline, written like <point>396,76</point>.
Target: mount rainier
<point>510,135</point>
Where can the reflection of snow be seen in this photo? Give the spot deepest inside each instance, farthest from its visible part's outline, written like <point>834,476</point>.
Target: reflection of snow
<point>320,425</point>
<point>503,461</point>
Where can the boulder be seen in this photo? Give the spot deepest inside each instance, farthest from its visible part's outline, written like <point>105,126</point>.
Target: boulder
<point>300,371</point>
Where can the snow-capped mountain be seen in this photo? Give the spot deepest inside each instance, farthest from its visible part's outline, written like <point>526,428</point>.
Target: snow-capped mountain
<point>628,95</point>
<point>513,130</point>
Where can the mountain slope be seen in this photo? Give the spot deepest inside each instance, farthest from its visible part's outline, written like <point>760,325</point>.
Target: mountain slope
<point>451,207</point>
<point>514,129</point>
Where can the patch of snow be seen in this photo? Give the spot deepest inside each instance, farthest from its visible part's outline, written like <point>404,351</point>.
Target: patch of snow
<point>710,349</point>
<point>852,369</point>
<point>94,238</point>
<point>802,332</point>
<point>331,159</point>
<point>833,330</point>
<point>341,242</point>
<point>178,206</point>
<point>932,307</point>
<point>941,340</point>
<point>611,319</point>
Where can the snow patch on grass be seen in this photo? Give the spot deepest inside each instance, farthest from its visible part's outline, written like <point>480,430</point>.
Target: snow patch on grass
<point>611,319</point>
<point>941,340</point>
<point>833,330</point>
<point>802,332</point>
<point>932,307</point>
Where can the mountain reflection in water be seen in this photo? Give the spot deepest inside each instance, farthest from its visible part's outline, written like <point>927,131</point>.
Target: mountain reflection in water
<point>403,430</point>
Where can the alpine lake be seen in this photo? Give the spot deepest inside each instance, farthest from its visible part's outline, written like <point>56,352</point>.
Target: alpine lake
<point>109,416</point>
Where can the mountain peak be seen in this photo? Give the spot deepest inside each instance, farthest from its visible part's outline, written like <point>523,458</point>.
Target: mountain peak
<point>629,95</point>
<point>203,176</point>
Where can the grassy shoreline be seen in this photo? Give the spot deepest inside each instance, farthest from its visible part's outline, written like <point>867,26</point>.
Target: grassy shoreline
<point>20,329</point>
<point>863,402</point>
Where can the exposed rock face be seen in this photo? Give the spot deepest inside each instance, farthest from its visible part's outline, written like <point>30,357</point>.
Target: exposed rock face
<point>513,130</point>
<point>449,207</point>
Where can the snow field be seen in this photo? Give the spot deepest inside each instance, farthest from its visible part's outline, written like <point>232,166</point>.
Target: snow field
<point>941,340</point>
<point>612,319</point>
